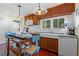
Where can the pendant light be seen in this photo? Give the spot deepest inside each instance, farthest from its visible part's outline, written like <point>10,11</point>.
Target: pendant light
<point>19,6</point>
<point>39,10</point>
<point>17,18</point>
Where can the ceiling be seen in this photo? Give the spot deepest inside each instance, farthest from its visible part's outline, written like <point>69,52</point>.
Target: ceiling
<point>11,9</point>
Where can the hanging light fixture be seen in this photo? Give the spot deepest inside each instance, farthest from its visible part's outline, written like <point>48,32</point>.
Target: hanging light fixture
<point>39,10</point>
<point>17,18</point>
<point>19,6</point>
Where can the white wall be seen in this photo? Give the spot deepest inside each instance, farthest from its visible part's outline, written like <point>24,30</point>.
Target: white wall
<point>77,22</point>
<point>77,18</point>
<point>34,28</point>
<point>4,22</point>
<point>68,19</point>
<point>7,25</point>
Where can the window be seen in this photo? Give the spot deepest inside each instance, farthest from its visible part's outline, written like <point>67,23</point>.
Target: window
<point>55,23</point>
<point>61,23</point>
<point>58,23</point>
<point>46,23</point>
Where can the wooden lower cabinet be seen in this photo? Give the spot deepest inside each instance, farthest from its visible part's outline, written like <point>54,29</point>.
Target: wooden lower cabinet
<point>50,45</point>
<point>43,43</point>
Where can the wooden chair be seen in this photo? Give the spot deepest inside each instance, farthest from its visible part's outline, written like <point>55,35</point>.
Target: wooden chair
<point>34,49</point>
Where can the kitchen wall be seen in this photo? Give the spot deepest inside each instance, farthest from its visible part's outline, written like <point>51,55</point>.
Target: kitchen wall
<point>77,22</point>
<point>7,25</point>
<point>77,18</point>
<point>70,19</point>
<point>4,22</point>
<point>15,26</point>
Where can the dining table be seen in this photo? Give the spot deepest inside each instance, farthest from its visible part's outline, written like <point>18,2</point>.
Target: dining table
<point>20,40</point>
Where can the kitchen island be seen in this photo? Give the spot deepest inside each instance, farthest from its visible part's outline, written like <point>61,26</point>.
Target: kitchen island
<point>19,40</point>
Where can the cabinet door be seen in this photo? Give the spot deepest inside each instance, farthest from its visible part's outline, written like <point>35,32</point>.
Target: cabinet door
<point>35,20</point>
<point>53,45</point>
<point>43,43</point>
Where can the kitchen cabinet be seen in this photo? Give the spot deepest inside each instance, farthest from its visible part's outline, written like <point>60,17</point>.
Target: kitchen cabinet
<point>43,42</point>
<point>34,18</point>
<point>60,10</point>
<point>49,44</point>
<point>52,44</point>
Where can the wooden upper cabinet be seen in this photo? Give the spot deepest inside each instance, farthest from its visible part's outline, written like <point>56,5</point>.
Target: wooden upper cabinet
<point>35,19</point>
<point>60,10</point>
<point>29,17</point>
<point>63,9</point>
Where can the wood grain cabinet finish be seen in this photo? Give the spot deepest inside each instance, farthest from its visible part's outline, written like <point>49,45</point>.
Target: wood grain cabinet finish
<point>52,45</point>
<point>35,19</point>
<point>60,10</point>
<point>43,43</point>
<point>49,44</point>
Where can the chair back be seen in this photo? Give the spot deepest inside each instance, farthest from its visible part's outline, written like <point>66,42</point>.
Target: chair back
<point>35,38</point>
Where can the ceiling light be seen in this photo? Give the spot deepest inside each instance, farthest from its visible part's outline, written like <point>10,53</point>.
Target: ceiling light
<point>39,10</point>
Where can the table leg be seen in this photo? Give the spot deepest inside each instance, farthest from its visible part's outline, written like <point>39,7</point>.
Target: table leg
<point>8,47</point>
